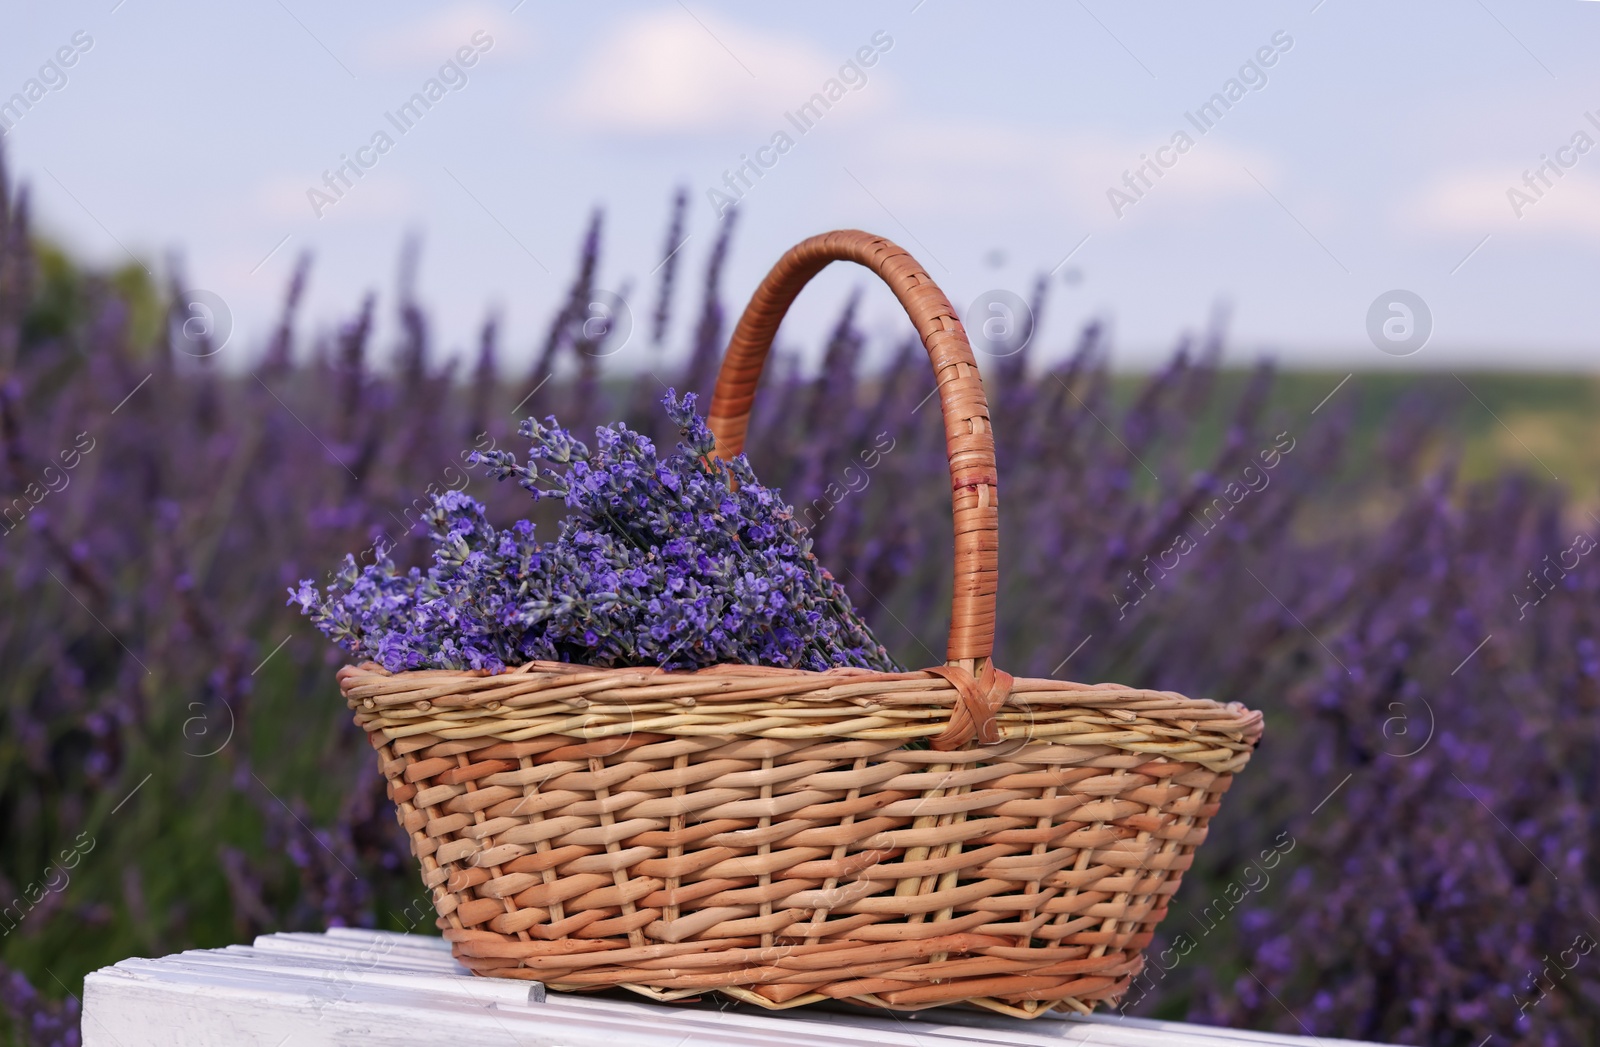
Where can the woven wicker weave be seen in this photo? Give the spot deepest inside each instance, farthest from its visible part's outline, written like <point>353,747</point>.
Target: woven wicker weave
<point>763,832</point>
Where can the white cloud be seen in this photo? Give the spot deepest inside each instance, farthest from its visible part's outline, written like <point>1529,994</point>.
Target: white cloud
<point>672,72</point>
<point>429,40</point>
<point>1479,201</point>
<point>998,170</point>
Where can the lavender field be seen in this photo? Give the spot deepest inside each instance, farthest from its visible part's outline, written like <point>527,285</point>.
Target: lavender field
<point>1413,855</point>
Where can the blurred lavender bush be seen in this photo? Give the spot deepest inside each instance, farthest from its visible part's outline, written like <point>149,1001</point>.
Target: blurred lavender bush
<point>1410,857</point>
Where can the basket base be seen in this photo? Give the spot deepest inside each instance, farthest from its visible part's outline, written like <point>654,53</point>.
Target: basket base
<point>1027,1010</point>
<point>959,973</point>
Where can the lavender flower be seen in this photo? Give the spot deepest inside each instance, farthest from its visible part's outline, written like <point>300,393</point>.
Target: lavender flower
<point>679,562</point>
<point>37,1020</point>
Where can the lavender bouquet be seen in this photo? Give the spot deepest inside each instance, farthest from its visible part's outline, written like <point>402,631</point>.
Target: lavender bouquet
<point>680,562</point>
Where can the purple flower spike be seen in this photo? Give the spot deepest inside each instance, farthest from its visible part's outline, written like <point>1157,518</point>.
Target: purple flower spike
<point>679,562</point>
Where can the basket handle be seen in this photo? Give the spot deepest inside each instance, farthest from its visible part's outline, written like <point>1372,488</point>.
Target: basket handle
<point>969,440</point>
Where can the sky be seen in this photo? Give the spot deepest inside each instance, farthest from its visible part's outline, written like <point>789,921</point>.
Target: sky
<point>1377,184</point>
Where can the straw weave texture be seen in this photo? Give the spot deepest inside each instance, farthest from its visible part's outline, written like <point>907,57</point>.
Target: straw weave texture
<point>764,833</point>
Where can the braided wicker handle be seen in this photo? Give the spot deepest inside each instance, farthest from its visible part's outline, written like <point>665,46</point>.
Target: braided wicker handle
<point>969,440</point>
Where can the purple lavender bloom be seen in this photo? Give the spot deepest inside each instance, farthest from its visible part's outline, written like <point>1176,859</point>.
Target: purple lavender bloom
<point>679,562</point>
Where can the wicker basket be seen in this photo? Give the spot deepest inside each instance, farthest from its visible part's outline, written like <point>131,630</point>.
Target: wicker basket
<point>763,832</point>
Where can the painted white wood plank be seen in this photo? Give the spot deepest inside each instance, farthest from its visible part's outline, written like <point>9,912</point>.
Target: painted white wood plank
<point>380,989</point>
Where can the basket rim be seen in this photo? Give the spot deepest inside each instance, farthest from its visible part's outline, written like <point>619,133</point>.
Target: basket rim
<point>387,701</point>
<point>456,688</point>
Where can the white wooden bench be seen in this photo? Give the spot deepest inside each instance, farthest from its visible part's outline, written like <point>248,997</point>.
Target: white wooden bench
<point>377,989</point>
